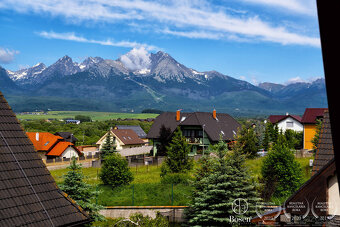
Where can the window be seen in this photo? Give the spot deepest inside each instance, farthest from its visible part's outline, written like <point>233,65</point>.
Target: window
<point>289,124</point>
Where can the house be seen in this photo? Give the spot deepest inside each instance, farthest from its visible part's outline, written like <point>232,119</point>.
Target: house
<point>122,139</point>
<point>29,195</point>
<point>69,137</point>
<point>317,201</point>
<point>309,122</point>
<point>72,121</point>
<point>51,146</point>
<point>136,128</point>
<point>284,122</point>
<point>200,128</point>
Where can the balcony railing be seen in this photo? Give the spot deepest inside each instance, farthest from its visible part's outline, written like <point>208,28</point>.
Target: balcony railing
<point>195,140</point>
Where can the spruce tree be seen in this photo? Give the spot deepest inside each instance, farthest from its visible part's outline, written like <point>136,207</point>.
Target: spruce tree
<point>108,147</point>
<point>215,193</point>
<point>177,160</point>
<point>83,193</point>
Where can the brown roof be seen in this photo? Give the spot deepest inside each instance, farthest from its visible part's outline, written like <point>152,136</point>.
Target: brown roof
<point>312,114</point>
<point>128,136</point>
<point>224,124</point>
<point>277,118</point>
<point>28,192</point>
<point>325,150</point>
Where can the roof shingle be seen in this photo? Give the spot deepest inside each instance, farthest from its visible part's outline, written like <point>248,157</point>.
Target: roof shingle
<point>28,193</point>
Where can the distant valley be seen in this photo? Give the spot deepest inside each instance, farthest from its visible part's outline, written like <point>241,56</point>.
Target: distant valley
<point>132,84</point>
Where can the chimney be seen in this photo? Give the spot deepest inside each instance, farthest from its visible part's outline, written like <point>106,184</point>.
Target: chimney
<point>178,115</point>
<point>37,136</point>
<point>287,113</point>
<point>214,114</point>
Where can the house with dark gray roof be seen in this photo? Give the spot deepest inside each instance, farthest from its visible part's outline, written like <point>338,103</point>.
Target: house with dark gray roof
<point>200,128</point>
<point>29,195</point>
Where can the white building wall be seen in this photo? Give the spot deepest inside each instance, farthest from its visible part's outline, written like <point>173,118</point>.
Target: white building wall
<point>333,196</point>
<point>286,124</point>
<point>69,153</point>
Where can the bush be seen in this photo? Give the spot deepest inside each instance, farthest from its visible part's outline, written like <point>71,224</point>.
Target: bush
<point>280,168</point>
<point>115,171</point>
<point>176,178</point>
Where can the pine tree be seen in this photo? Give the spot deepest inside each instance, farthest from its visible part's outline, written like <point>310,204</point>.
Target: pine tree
<point>75,187</point>
<point>249,141</point>
<point>215,193</point>
<point>177,160</point>
<point>108,147</point>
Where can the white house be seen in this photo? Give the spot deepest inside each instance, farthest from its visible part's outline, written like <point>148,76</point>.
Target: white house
<point>287,121</point>
<point>122,139</point>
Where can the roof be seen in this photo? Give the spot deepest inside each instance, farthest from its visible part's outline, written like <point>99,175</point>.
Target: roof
<point>67,136</point>
<point>325,149</point>
<point>136,128</point>
<point>127,136</point>
<point>277,118</point>
<point>224,124</point>
<point>28,192</point>
<point>60,147</point>
<point>43,141</point>
<point>312,114</point>
<point>135,151</point>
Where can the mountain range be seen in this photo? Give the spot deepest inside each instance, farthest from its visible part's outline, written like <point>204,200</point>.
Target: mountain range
<point>138,81</point>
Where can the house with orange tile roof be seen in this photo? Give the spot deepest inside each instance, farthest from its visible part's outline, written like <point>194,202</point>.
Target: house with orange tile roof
<point>122,139</point>
<point>51,146</point>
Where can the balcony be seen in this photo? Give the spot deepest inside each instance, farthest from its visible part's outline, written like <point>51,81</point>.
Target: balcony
<point>194,140</point>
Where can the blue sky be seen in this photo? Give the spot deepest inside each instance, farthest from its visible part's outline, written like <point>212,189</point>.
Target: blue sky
<point>254,40</point>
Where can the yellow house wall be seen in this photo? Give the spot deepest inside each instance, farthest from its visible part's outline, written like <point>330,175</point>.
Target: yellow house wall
<point>308,135</point>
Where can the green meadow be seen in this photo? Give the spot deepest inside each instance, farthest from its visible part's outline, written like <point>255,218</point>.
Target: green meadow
<point>147,189</point>
<point>96,116</point>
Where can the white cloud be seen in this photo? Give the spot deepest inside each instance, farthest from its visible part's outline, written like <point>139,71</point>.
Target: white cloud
<point>306,7</point>
<point>71,36</point>
<point>136,59</point>
<point>300,80</point>
<point>7,56</point>
<point>192,19</point>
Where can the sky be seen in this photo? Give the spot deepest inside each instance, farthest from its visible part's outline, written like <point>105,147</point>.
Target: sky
<point>254,40</point>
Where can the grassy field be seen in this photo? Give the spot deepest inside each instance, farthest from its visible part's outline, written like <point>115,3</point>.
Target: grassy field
<point>97,116</point>
<point>147,189</point>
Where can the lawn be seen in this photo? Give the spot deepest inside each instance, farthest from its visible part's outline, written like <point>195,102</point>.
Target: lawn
<point>100,116</point>
<point>147,189</point>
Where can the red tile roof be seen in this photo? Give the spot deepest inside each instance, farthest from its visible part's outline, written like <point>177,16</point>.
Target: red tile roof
<point>311,114</point>
<point>276,118</point>
<point>59,148</point>
<point>45,140</point>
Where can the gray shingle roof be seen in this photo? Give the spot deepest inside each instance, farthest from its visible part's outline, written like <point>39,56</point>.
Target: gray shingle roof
<point>224,124</point>
<point>28,193</point>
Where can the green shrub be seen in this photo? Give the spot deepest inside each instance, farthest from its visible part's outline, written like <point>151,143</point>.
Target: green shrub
<point>115,171</point>
<point>282,170</point>
<point>176,178</point>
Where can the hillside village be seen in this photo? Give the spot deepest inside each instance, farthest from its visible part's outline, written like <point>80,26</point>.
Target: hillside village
<point>165,153</point>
